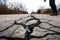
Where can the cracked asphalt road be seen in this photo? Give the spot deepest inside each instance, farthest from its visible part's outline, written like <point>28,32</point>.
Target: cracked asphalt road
<point>48,29</point>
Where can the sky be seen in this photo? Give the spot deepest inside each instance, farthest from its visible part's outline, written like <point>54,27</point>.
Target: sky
<point>33,5</point>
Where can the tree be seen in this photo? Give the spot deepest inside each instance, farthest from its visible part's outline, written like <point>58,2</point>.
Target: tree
<point>3,2</point>
<point>22,7</point>
<point>0,2</point>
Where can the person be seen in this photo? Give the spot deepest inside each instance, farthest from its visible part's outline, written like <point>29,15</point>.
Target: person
<point>53,7</point>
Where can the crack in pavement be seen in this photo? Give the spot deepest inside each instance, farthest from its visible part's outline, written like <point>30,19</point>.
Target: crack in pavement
<point>30,27</point>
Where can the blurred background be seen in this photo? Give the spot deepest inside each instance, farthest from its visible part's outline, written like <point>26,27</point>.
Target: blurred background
<point>26,6</point>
